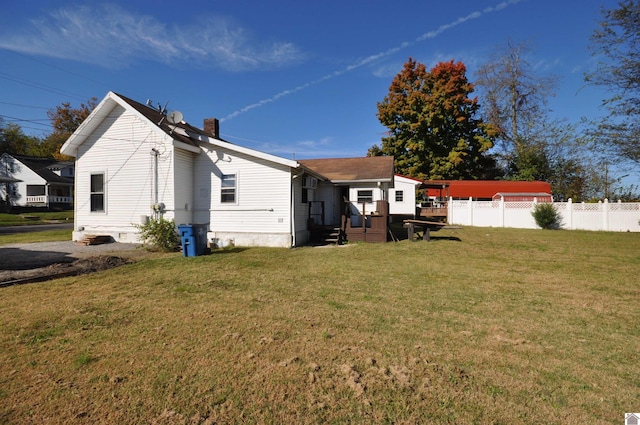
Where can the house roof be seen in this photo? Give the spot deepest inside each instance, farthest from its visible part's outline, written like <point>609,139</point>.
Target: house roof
<point>400,177</point>
<point>341,170</point>
<point>523,194</point>
<point>184,135</point>
<point>485,188</point>
<point>156,116</point>
<point>44,168</point>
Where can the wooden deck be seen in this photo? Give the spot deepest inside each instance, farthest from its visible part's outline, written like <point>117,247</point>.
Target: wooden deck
<point>438,212</point>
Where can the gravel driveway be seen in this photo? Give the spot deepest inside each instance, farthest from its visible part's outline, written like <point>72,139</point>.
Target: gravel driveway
<point>25,256</point>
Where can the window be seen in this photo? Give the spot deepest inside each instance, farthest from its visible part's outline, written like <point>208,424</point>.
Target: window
<point>228,188</point>
<point>97,192</point>
<point>365,196</point>
<point>305,195</point>
<point>399,196</point>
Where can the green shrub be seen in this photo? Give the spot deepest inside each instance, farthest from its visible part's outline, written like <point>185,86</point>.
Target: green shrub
<point>546,216</point>
<point>159,234</point>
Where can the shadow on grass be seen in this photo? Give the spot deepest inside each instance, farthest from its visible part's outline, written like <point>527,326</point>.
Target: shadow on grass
<point>219,251</point>
<point>24,259</point>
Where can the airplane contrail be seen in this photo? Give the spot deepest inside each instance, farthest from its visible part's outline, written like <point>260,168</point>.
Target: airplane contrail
<point>369,59</point>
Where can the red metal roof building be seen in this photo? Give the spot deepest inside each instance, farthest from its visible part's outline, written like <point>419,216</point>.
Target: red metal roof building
<point>488,189</point>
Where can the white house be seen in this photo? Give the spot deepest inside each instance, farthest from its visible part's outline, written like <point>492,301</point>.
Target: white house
<point>37,182</point>
<point>134,161</point>
<point>402,197</point>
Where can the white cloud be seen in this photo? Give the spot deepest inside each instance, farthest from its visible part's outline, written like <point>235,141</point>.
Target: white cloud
<point>111,36</point>
<point>374,58</point>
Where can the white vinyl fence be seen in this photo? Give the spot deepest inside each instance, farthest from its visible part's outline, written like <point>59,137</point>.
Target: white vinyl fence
<point>608,216</point>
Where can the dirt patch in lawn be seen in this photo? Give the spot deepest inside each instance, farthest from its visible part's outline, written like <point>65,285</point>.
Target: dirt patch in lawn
<point>74,268</point>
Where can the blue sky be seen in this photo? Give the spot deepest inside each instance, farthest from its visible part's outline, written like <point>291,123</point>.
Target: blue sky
<point>291,78</point>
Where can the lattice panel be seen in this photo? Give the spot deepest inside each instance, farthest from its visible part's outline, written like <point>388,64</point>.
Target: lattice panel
<point>587,207</point>
<point>520,204</point>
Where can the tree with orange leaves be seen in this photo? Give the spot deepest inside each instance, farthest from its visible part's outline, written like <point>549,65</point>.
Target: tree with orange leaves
<point>65,120</point>
<point>433,129</point>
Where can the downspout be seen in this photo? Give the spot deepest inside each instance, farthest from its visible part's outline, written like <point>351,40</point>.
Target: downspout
<point>155,180</point>
<point>292,211</point>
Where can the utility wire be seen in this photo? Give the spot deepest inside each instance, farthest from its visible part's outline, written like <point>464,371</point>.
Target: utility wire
<point>84,77</point>
<point>24,106</point>
<point>32,121</point>
<point>40,86</point>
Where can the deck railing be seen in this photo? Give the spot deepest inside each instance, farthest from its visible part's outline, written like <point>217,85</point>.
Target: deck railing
<point>42,200</point>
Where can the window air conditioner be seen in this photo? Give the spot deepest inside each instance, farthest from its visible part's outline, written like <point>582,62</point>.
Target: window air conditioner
<point>309,182</point>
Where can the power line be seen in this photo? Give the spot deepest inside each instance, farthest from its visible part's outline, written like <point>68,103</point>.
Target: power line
<point>40,86</point>
<point>62,69</point>
<point>24,106</point>
<point>32,121</point>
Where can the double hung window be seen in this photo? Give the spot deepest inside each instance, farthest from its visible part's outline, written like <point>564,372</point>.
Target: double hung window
<point>228,185</point>
<point>97,192</point>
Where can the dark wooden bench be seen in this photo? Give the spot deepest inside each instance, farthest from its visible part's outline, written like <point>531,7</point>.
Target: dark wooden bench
<point>414,226</point>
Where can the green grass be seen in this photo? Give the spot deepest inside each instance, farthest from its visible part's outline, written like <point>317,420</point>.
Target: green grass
<point>34,217</point>
<point>43,236</point>
<point>502,326</point>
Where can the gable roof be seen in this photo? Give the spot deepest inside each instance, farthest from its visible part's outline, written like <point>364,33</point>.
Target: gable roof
<point>183,134</point>
<point>44,167</point>
<point>157,117</point>
<point>370,169</point>
<point>405,179</point>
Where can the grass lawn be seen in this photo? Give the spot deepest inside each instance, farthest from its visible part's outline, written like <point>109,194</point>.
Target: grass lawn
<point>501,326</point>
<point>34,217</point>
<point>43,236</point>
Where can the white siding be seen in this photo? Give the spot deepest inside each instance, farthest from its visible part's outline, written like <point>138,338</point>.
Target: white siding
<point>378,195</point>
<point>121,148</point>
<point>262,212</point>
<point>408,204</point>
<point>183,178</point>
<point>28,177</point>
<point>301,212</point>
<point>330,195</point>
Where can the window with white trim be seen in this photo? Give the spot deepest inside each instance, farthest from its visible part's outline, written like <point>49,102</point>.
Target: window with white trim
<point>399,196</point>
<point>228,184</point>
<point>97,192</point>
<point>365,196</point>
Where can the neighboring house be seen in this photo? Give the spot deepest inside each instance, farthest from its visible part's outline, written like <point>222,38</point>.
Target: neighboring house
<point>523,197</point>
<point>134,161</point>
<point>38,182</point>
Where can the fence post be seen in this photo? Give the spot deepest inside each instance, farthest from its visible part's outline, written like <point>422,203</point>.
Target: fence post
<point>605,215</point>
<point>501,205</point>
<point>450,210</point>
<point>570,214</point>
<point>470,211</point>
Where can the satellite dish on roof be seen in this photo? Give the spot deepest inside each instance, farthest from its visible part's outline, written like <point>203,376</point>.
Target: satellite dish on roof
<point>174,117</point>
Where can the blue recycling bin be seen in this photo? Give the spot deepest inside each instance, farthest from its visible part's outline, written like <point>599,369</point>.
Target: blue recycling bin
<point>188,240</point>
<point>193,238</point>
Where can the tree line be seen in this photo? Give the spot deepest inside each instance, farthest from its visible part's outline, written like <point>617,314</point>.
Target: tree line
<point>437,130</point>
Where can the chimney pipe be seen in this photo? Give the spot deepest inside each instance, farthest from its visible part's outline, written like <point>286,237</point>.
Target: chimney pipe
<point>212,127</point>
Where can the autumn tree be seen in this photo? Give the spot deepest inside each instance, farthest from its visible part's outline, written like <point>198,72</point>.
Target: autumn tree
<point>433,128</point>
<point>616,42</point>
<point>65,120</point>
